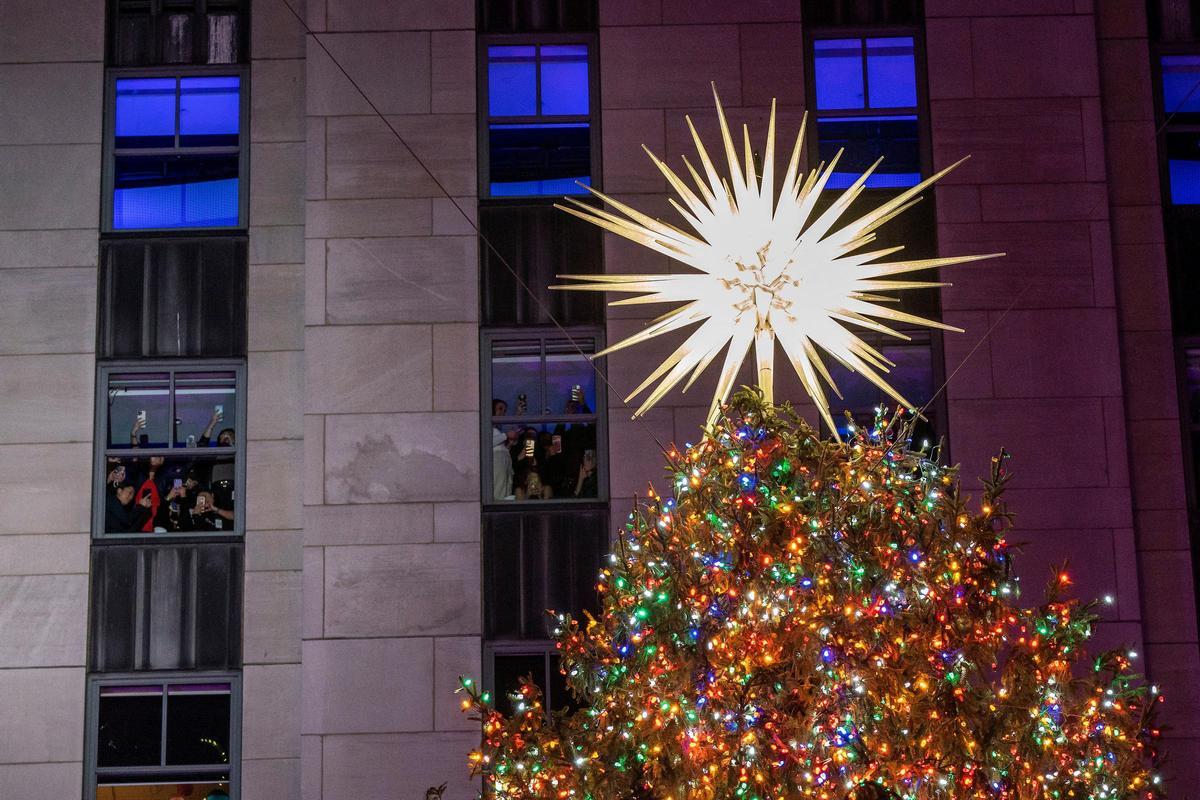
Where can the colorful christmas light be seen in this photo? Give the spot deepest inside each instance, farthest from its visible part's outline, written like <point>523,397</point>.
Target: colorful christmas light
<point>806,618</point>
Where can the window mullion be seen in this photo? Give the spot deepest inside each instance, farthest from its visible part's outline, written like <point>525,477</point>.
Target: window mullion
<point>162,759</point>
<point>866,86</point>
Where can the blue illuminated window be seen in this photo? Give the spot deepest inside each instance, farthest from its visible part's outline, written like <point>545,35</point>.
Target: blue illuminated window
<point>1181,84</point>
<point>176,152</point>
<point>866,92</point>
<point>539,126</point>
<point>1183,168</point>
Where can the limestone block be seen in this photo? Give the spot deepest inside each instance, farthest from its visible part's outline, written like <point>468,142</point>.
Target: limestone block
<point>32,249</point>
<point>455,383</point>
<point>402,590</point>
<point>370,217</point>
<point>277,100</point>
<point>50,186</point>
<point>454,522</point>
<point>275,307</point>
<point>274,401</point>
<point>271,551</point>
<point>433,279</point>
<point>382,458</point>
<point>367,686</point>
<point>43,621</point>
<point>42,711</point>
<point>1056,353</point>
<point>391,68</point>
<point>369,368</point>
<point>46,398</point>
<point>640,73</point>
<point>454,657</point>
<point>271,777</point>
<point>1035,56</point>
<point>51,103</point>
<point>271,617</point>
<point>277,190</point>
<point>277,244</point>
<point>32,478</point>
<point>402,15</point>
<point>71,31</point>
<point>45,554</point>
<point>313,600</point>
<point>271,700</point>
<point>376,767</point>
<point>383,523</point>
<point>453,71</point>
<point>274,478</point>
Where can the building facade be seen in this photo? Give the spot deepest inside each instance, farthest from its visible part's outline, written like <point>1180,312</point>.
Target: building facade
<point>293,433</point>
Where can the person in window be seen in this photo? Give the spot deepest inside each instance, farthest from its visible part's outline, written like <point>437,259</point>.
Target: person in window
<point>172,512</point>
<point>122,514</point>
<point>149,486</point>
<point>203,516</point>
<point>528,481</point>
<point>586,483</point>
<point>502,462</point>
<point>553,460</point>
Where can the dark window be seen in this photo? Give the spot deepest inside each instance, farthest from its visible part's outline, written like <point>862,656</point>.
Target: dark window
<point>538,242</point>
<point>544,440</point>
<point>166,607</point>
<point>176,152</point>
<point>537,16</point>
<point>1191,421</point>
<point>915,376</point>
<point>171,454</point>
<point>854,13</point>
<point>157,32</point>
<point>151,739</point>
<point>540,665</point>
<point>172,297</point>
<point>538,562</point>
<point>1173,20</point>
<point>866,93</point>
<point>539,138</point>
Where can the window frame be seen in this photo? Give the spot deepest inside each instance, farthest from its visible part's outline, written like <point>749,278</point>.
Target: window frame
<point>920,66</point>
<point>545,648</point>
<point>484,118</point>
<point>1188,431</point>
<point>540,333</point>
<point>100,445</point>
<point>92,721</point>
<point>242,150</point>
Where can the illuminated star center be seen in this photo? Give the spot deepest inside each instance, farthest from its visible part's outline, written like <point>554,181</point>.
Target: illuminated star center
<point>758,248</point>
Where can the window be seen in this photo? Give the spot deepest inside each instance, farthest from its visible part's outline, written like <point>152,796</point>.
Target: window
<point>172,297</point>
<point>916,377</point>
<point>866,98</point>
<point>541,16</point>
<point>538,137</point>
<point>156,739</point>
<point>538,561</point>
<point>155,32</point>
<point>1191,418</point>
<point>175,152</point>
<point>534,562</point>
<point>1179,149</point>
<point>509,665</point>
<point>538,242</point>
<point>545,439</point>
<point>173,439</point>
<point>166,606</point>
<point>861,12</point>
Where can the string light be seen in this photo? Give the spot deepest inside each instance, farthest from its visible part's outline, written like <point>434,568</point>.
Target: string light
<point>866,635</point>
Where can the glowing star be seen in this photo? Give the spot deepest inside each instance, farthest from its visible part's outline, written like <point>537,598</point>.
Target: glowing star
<point>768,268</point>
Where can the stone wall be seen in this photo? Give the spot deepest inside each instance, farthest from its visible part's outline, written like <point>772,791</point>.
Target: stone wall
<point>391,455</point>
<point>51,87</point>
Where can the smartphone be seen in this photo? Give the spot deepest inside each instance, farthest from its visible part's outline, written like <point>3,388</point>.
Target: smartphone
<point>529,448</point>
<point>120,473</point>
<point>219,411</point>
<point>577,393</point>
<point>556,443</point>
<point>141,417</point>
<point>178,484</point>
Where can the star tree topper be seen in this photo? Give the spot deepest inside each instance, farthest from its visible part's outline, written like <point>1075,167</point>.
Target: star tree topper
<point>766,270</point>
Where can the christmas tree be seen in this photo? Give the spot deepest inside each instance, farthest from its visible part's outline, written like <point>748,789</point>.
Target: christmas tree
<point>807,617</point>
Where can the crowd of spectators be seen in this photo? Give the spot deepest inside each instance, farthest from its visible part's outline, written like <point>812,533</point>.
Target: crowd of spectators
<point>169,494</point>
<point>544,462</point>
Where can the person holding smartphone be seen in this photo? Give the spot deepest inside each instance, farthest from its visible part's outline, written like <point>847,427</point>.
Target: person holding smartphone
<point>587,482</point>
